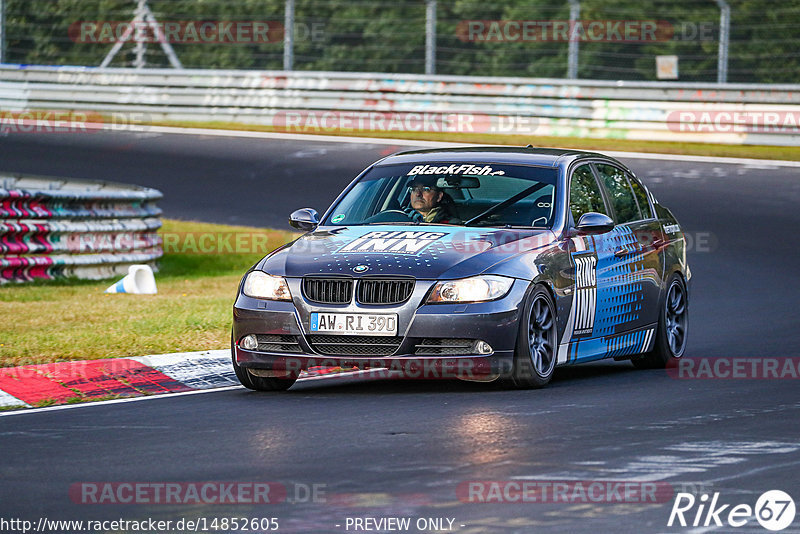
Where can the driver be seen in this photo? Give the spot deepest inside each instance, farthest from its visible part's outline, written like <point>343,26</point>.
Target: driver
<point>429,203</point>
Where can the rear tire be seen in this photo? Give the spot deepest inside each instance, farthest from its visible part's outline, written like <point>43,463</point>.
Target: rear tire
<point>258,383</point>
<point>673,323</point>
<point>535,353</point>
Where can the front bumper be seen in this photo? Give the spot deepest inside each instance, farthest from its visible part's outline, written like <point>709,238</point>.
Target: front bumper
<point>495,323</point>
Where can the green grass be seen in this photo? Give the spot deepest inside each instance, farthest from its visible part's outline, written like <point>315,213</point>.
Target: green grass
<point>75,320</point>
<point>791,153</point>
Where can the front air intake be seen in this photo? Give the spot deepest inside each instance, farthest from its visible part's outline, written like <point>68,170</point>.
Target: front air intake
<point>384,291</point>
<point>328,290</point>
<point>354,345</point>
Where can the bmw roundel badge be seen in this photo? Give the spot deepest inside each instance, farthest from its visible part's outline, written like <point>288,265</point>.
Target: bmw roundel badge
<point>360,268</point>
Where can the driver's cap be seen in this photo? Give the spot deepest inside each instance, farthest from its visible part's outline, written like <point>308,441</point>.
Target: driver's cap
<point>429,181</point>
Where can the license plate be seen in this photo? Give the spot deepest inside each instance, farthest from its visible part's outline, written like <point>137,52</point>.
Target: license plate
<point>354,323</point>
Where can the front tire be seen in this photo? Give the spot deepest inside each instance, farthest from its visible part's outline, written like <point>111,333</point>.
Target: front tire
<point>673,323</point>
<point>535,353</point>
<point>258,383</point>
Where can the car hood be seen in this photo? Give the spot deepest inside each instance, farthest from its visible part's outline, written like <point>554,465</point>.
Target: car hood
<point>421,251</point>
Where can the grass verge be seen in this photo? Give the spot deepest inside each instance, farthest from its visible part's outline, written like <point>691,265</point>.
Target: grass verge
<point>71,320</point>
<point>791,153</point>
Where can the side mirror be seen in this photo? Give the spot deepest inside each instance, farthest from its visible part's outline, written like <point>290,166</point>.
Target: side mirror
<point>594,223</point>
<point>305,219</point>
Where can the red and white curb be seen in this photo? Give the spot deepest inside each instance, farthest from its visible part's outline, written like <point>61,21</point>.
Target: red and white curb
<point>68,382</point>
<point>71,382</point>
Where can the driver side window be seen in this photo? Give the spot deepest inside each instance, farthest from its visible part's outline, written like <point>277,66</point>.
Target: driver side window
<point>584,194</point>
<point>620,194</point>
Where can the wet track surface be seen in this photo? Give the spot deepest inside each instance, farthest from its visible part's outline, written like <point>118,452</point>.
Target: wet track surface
<point>404,448</point>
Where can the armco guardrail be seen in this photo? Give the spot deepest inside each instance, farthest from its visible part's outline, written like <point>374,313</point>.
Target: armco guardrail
<point>322,101</point>
<point>55,228</point>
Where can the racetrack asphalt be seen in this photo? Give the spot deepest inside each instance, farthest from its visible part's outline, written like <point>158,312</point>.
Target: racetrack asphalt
<point>402,448</point>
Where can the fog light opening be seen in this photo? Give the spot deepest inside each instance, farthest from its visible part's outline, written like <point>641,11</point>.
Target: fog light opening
<point>482,347</point>
<point>249,342</point>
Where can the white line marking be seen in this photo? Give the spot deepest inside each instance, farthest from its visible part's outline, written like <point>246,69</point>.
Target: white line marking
<point>116,401</point>
<point>697,458</point>
<point>350,374</point>
<point>771,467</point>
<point>432,144</point>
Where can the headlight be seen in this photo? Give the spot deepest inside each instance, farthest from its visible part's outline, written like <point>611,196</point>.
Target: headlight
<point>261,285</point>
<point>475,289</point>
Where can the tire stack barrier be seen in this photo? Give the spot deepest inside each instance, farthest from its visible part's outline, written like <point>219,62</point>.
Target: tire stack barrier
<point>53,228</point>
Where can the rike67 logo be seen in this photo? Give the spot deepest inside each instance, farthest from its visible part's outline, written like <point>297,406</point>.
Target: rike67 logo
<point>774,510</point>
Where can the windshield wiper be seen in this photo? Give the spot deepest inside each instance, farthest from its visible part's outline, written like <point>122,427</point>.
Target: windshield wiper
<point>504,204</point>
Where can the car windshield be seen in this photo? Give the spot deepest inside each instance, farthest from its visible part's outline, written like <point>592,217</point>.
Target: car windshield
<point>464,194</point>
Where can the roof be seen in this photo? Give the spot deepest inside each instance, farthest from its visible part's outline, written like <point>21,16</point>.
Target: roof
<point>549,157</point>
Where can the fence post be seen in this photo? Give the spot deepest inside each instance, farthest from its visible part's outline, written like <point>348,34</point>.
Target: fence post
<point>2,31</point>
<point>430,37</point>
<point>288,36</point>
<point>724,37</point>
<point>572,59</point>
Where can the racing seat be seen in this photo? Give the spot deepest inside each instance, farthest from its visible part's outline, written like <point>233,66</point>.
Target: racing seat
<point>449,204</point>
